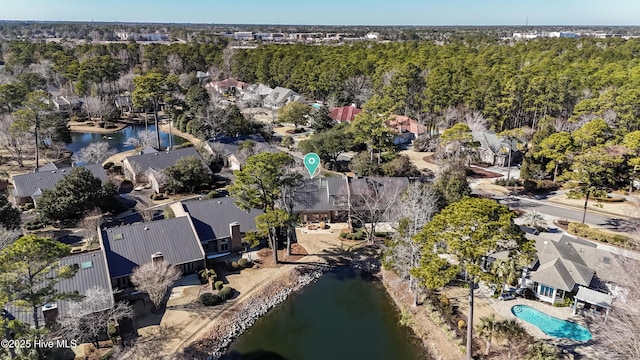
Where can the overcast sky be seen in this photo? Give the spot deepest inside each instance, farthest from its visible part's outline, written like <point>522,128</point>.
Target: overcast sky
<point>332,12</point>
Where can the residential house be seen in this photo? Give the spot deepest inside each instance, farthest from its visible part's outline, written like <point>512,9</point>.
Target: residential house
<point>495,150</point>
<point>147,167</point>
<point>92,273</point>
<point>571,266</point>
<point>29,187</point>
<point>124,103</point>
<point>66,103</point>
<point>280,96</point>
<point>227,86</point>
<point>344,113</point>
<point>230,147</point>
<point>203,76</point>
<point>331,199</point>
<point>406,128</point>
<point>219,223</point>
<point>129,246</point>
<point>253,95</point>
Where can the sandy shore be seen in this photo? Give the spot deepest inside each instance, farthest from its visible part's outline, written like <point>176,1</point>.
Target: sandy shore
<point>82,127</point>
<point>192,139</point>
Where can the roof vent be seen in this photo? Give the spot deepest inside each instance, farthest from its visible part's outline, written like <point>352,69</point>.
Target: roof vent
<point>545,242</point>
<point>606,260</point>
<point>581,250</point>
<point>219,202</point>
<point>62,170</point>
<point>53,172</point>
<point>146,227</point>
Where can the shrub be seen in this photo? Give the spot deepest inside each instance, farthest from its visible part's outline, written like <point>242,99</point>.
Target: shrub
<point>234,265</point>
<point>218,285</point>
<point>110,125</point>
<point>108,165</point>
<point>344,235</point>
<point>168,213</point>
<point>244,263</point>
<point>90,124</point>
<point>212,194</point>
<point>462,324</point>
<point>208,299</point>
<point>505,182</point>
<point>75,118</point>
<point>593,234</point>
<point>226,292</point>
<point>117,169</point>
<point>101,124</point>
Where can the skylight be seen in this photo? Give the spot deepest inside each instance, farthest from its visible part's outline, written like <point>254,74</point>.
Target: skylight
<point>87,265</point>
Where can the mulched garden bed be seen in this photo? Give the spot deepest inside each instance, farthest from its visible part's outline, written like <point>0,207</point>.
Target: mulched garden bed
<point>266,256</point>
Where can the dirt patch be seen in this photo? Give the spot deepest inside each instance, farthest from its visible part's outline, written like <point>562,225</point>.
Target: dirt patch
<point>430,158</point>
<point>266,256</point>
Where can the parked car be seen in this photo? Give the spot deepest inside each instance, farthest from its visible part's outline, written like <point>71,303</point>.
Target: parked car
<point>506,296</point>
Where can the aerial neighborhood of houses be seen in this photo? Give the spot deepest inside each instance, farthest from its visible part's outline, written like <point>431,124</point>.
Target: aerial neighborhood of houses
<point>167,192</point>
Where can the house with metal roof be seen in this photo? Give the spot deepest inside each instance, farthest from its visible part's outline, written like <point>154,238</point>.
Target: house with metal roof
<point>129,246</point>
<point>141,167</point>
<point>567,266</point>
<point>230,147</point>
<point>29,187</point>
<point>344,113</point>
<point>219,223</point>
<point>495,150</point>
<point>92,272</point>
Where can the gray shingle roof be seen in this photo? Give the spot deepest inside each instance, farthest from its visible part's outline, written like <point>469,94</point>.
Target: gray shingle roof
<point>161,159</point>
<point>129,246</point>
<point>27,184</point>
<point>211,218</point>
<point>92,272</point>
<point>561,265</point>
<point>230,144</point>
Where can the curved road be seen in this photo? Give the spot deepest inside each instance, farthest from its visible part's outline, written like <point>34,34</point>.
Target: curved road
<point>611,222</point>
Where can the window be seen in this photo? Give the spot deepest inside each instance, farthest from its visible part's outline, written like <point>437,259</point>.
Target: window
<point>546,291</point>
<point>86,265</point>
<point>224,245</point>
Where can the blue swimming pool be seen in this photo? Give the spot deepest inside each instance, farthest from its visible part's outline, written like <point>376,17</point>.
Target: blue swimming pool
<point>550,325</point>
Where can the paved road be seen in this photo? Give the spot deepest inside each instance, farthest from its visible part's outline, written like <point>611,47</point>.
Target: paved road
<point>610,222</point>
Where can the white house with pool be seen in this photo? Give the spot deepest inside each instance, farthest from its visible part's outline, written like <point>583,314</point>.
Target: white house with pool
<point>571,267</point>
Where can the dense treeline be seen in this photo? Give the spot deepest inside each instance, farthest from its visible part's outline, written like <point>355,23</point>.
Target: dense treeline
<point>513,85</point>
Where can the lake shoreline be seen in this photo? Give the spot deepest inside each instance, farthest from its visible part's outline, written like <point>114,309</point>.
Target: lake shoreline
<point>433,338</point>
<point>214,344</point>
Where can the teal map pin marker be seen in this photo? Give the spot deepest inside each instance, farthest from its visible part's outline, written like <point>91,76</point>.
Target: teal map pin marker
<point>312,163</point>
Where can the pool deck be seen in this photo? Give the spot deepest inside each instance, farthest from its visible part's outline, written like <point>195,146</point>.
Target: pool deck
<point>585,349</point>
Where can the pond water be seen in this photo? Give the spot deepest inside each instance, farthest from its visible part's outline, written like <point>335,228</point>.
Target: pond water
<point>341,316</point>
<point>117,139</point>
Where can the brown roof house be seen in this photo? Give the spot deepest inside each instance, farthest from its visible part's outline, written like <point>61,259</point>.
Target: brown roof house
<point>406,128</point>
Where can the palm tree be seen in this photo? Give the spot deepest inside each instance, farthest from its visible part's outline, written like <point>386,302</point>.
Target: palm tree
<point>487,330</point>
<point>209,274</point>
<point>542,351</point>
<point>511,331</point>
<point>534,219</point>
<point>507,271</point>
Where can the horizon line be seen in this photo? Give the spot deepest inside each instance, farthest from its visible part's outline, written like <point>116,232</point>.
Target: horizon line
<point>322,25</point>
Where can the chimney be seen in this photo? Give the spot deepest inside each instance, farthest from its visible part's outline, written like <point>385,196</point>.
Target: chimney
<point>157,257</point>
<point>236,237</point>
<point>50,312</point>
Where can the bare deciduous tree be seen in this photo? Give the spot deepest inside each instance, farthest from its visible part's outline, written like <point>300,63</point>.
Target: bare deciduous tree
<point>145,138</point>
<point>90,222</point>
<point>619,336</point>
<point>13,138</point>
<point>95,153</point>
<point>87,319</point>
<point>227,60</point>
<point>155,278</point>
<point>414,210</point>
<point>99,108</point>
<point>7,236</point>
<point>174,64</point>
<point>359,88</point>
<point>476,121</point>
<point>371,200</point>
